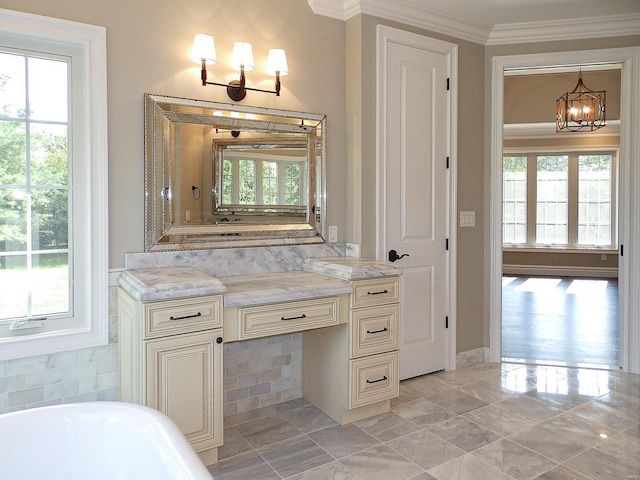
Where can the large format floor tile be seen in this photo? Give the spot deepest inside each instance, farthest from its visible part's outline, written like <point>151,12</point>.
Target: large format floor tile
<point>487,422</point>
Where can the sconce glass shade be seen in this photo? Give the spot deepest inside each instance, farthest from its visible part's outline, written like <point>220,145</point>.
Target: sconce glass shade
<point>204,48</point>
<point>277,62</point>
<point>242,56</point>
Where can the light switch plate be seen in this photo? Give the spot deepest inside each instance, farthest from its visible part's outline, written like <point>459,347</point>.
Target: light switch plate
<point>333,233</point>
<point>467,219</point>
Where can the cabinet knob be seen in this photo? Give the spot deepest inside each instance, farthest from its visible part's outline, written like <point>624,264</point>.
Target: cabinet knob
<point>219,340</point>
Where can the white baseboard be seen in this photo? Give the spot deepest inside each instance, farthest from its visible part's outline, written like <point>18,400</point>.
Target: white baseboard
<point>555,271</point>
<point>472,357</point>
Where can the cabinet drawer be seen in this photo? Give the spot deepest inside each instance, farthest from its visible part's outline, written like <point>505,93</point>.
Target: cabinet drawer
<point>380,291</point>
<point>373,379</point>
<point>182,316</point>
<point>276,319</point>
<point>374,330</point>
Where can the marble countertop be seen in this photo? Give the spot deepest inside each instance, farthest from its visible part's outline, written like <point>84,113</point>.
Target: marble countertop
<point>351,268</point>
<point>147,284</point>
<point>247,290</point>
<point>320,277</point>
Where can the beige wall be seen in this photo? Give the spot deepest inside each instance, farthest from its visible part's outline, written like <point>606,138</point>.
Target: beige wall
<point>148,51</point>
<point>149,44</point>
<point>532,98</point>
<point>470,163</point>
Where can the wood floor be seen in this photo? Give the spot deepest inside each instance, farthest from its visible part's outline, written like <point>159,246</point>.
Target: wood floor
<point>567,320</point>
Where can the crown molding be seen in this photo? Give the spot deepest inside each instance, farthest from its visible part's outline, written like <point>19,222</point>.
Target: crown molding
<point>411,13</point>
<point>403,12</point>
<point>574,29</point>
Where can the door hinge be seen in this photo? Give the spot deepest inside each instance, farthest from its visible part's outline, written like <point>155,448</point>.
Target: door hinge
<point>446,322</point>
<point>446,244</point>
<point>447,162</point>
<point>621,250</point>
<point>448,87</point>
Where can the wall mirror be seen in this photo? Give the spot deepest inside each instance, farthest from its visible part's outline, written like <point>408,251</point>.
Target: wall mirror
<point>220,175</point>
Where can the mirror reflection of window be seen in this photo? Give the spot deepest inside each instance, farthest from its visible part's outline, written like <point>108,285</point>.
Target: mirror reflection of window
<point>293,180</point>
<point>247,183</point>
<point>262,182</point>
<point>269,183</point>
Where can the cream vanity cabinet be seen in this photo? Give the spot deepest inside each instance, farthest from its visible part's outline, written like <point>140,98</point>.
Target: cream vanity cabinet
<point>353,374</point>
<point>171,360</point>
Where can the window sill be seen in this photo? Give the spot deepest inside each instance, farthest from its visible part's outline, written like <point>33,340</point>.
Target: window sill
<point>558,249</point>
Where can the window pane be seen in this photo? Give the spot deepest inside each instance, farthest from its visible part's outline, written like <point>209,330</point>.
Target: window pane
<point>514,199</point>
<point>552,200</point>
<point>269,183</point>
<point>34,188</point>
<point>49,155</point>
<point>48,89</point>
<point>227,181</point>
<point>12,74</point>
<point>14,286</point>
<point>50,284</point>
<point>594,199</point>
<point>13,153</point>
<point>50,228</point>
<point>13,219</point>
<point>292,182</point>
<point>247,187</point>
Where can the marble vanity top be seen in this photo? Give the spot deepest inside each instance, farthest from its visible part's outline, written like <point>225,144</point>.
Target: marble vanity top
<point>351,268</point>
<point>147,284</point>
<point>319,277</point>
<point>247,290</point>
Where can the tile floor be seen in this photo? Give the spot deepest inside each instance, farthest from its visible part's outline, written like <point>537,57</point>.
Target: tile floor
<point>490,421</point>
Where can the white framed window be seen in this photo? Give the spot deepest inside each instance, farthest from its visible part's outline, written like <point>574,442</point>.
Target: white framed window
<point>53,186</point>
<point>561,199</point>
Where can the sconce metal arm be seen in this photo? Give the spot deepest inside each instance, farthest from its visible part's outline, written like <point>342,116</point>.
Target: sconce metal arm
<point>236,89</point>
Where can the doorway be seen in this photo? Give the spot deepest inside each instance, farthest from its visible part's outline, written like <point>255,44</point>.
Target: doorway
<point>559,220</point>
<point>629,307</point>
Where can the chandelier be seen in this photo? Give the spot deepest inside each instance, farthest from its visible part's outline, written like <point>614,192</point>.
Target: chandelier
<point>580,109</point>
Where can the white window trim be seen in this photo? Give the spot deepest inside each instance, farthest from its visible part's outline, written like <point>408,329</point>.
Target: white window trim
<point>92,41</point>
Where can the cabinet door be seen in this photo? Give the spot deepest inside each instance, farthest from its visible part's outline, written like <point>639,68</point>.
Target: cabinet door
<point>184,381</point>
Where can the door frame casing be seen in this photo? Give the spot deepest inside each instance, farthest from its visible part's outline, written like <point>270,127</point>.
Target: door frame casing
<point>629,191</point>
<point>385,35</point>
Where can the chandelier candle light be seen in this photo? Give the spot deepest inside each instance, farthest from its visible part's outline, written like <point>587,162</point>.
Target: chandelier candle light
<point>581,109</point>
<point>204,51</point>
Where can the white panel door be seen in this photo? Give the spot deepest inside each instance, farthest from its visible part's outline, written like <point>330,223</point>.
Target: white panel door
<point>415,129</point>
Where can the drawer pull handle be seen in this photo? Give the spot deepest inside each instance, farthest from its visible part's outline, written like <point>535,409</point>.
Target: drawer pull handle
<point>385,329</point>
<point>378,293</point>
<point>377,381</point>
<point>293,318</point>
<point>186,316</point>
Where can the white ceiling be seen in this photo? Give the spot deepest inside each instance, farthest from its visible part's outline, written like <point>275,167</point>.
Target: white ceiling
<point>499,21</point>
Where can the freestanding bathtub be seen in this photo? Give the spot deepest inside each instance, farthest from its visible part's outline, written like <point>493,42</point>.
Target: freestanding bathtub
<point>95,441</point>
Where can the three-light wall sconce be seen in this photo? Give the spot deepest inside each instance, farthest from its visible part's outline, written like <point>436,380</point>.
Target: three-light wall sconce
<point>204,51</point>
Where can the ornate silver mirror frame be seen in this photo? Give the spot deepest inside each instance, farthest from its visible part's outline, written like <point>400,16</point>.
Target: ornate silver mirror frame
<point>220,175</point>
